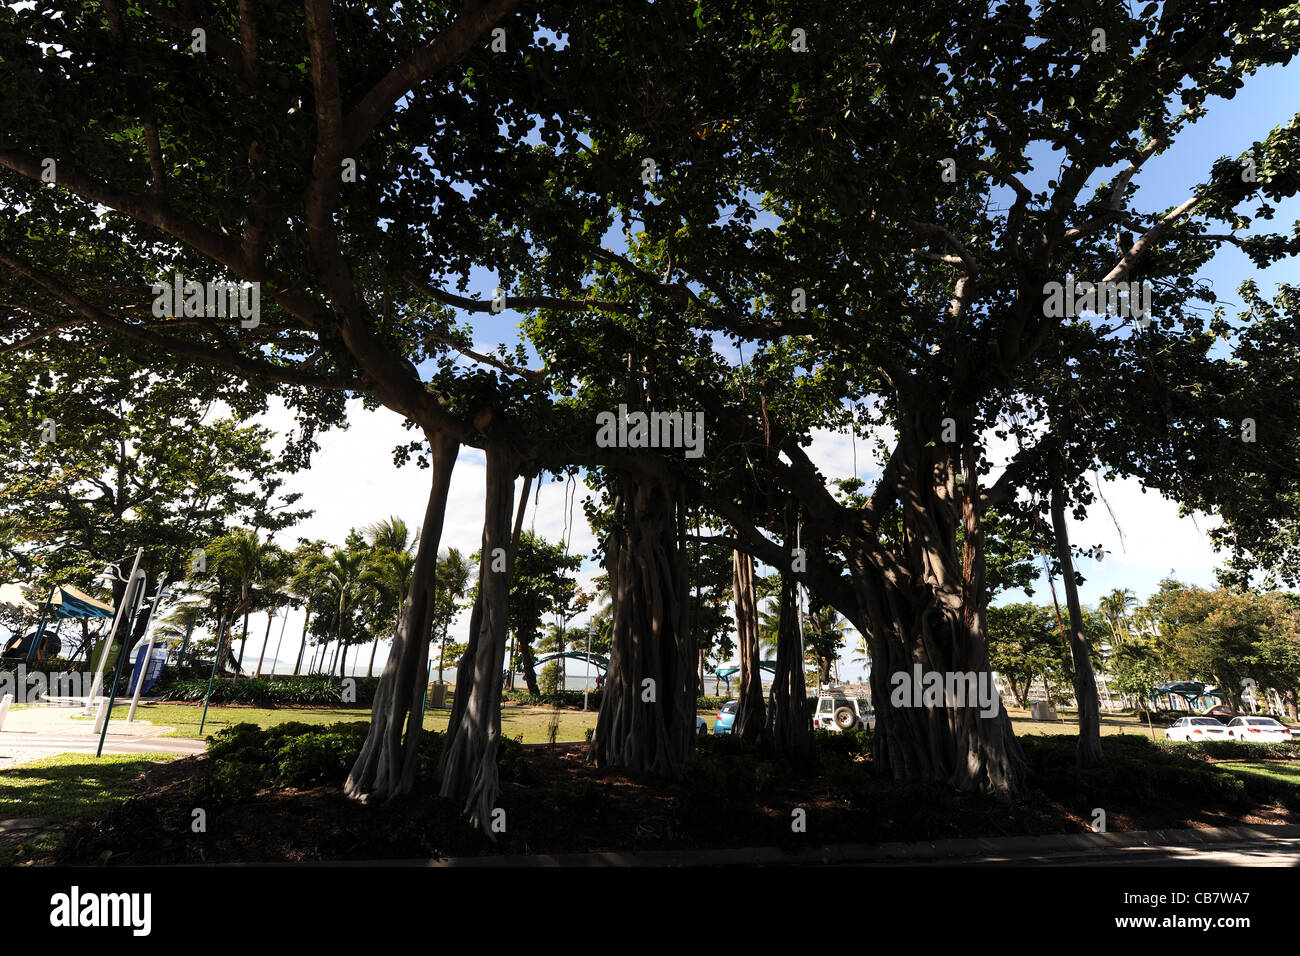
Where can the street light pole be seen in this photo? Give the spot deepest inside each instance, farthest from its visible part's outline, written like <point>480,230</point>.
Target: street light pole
<point>134,588</point>
<point>148,652</point>
<point>586,680</point>
<point>216,658</point>
<point>98,682</point>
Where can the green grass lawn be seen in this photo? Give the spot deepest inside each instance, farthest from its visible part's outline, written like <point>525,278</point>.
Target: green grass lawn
<point>185,717</point>
<point>1272,769</point>
<point>1069,724</point>
<point>71,787</point>
<point>530,722</point>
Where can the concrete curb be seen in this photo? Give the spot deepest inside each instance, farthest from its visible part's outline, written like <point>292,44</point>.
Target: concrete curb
<point>992,850</point>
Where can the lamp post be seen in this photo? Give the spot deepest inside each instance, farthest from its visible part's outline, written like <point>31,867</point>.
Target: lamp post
<point>163,592</point>
<point>586,680</point>
<point>221,621</point>
<point>108,575</point>
<point>134,589</point>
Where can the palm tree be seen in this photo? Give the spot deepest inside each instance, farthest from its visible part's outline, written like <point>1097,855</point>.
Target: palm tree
<point>340,576</point>
<point>452,582</point>
<point>180,622</point>
<point>388,574</point>
<point>277,568</point>
<point>392,534</point>
<point>305,583</point>
<point>769,625</point>
<point>824,630</point>
<point>242,555</point>
<point>1115,606</point>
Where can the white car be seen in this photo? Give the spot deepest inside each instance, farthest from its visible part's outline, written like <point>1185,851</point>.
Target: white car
<point>840,712</point>
<point>1262,730</point>
<point>1196,728</point>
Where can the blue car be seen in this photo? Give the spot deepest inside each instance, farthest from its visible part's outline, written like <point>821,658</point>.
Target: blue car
<point>726,717</point>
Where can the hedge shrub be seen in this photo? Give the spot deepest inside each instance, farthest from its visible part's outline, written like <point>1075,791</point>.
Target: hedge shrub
<point>307,690</point>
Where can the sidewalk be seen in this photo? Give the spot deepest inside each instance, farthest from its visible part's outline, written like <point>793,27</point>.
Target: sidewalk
<point>34,733</point>
<point>67,721</point>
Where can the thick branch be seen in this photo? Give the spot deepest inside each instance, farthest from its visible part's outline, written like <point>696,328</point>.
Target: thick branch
<point>474,19</point>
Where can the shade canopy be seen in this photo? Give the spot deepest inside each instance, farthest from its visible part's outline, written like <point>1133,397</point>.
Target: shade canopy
<point>70,602</point>
<point>65,602</point>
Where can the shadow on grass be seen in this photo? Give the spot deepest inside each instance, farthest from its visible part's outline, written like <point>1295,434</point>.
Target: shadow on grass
<point>71,787</point>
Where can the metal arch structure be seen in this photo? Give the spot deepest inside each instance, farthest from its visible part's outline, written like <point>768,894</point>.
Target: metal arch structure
<point>726,673</point>
<point>601,662</point>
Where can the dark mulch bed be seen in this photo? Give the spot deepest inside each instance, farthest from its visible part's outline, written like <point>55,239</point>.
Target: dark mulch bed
<point>568,806</point>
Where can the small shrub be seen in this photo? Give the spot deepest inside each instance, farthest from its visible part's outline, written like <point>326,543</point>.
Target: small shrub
<point>843,744</point>
<point>244,741</point>
<point>570,699</point>
<point>512,760</point>
<point>317,758</point>
<point>226,783</point>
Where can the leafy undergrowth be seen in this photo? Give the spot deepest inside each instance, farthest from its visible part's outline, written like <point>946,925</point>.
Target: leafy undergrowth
<point>276,795</point>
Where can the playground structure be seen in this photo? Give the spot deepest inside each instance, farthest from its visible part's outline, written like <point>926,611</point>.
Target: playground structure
<point>1195,696</point>
<point>601,663</point>
<point>726,673</point>
<point>64,603</point>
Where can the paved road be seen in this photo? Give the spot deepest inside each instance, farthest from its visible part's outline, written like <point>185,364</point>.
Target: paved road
<point>24,746</point>
<point>1268,852</point>
<point>1221,846</point>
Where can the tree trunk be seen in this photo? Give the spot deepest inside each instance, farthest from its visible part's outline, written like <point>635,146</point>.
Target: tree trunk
<point>265,640</point>
<point>243,641</point>
<point>750,721</point>
<point>442,652</point>
<point>227,660</point>
<point>385,768</point>
<point>1085,682</point>
<point>523,647</point>
<point>529,662</point>
<point>647,708</point>
<point>343,662</point>
<point>921,600</point>
<point>788,716</point>
<point>306,619</point>
<point>468,768</point>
